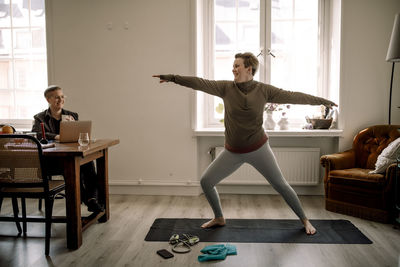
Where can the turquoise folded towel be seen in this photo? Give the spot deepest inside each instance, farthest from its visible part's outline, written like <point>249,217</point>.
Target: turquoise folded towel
<point>217,252</point>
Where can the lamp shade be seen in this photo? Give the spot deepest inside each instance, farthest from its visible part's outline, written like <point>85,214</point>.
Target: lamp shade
<point>393,53</point>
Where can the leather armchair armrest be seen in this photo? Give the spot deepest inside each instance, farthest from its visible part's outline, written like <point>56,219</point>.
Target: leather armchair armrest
<point>338,161</point>
<point>390,175</point>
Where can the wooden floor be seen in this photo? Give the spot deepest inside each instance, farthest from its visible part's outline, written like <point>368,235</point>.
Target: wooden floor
<point>120,241</point>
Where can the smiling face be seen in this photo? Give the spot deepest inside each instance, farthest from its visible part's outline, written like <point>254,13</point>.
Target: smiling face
<point>240,72</point>
<point>56,99</point>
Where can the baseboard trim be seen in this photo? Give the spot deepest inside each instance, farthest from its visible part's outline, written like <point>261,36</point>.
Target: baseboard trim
<point>317,190</point>
<point>177,188</point>
<point>154,187</point>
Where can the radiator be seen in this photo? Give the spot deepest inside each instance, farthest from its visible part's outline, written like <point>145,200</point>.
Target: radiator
<point>299,165</point>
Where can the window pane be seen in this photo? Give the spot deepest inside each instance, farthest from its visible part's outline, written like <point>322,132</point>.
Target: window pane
<point>247,9</point>
<point>218,109</point>
<point>282,9</point>
<point>4,74</point>
<point>30,74</point>
<point>20,13</point>
<point>307,9</point>
<point>5,43</point>
<point>22,41</point>
<point>28,103</point>
<point>237,29</point>
<point>225,34</point>
<point>5,19</point>
<point>37,13</point>
<point>6,103</point>
<point>225,10</point>
<point>39,39</point>
<point>295,45</point>
<point>223,66</point>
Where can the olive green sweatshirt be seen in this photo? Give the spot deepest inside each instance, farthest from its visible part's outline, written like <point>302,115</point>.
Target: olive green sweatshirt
<point>244,107</point>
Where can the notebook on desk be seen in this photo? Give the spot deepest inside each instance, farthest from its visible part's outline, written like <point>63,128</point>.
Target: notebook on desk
<point>69,130</point>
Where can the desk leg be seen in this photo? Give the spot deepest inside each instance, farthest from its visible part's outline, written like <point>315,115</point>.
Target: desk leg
<point>73,202</point>
<point>102,180</point>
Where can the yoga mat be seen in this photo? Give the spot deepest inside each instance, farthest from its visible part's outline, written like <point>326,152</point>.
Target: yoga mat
<point>259,231</point>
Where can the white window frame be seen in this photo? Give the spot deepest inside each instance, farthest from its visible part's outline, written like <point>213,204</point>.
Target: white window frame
<point>205,56</point>
<point>26,124</point>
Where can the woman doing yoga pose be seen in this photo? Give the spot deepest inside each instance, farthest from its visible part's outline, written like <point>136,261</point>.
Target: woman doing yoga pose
<point>245,139</point>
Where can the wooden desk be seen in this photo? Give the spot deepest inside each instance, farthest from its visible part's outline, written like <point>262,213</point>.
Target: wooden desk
<point>73,157</point>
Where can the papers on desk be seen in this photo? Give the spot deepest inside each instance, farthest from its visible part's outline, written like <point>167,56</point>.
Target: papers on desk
<point>48,145</point>
<point>27,146</point>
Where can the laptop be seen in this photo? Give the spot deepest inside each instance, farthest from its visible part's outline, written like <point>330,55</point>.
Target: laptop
<point>70,130</point>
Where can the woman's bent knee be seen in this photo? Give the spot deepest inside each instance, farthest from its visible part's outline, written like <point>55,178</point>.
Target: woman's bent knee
<point>205,183</point>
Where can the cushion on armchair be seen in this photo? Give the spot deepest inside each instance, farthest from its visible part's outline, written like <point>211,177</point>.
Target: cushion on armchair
<point>369,144</point>
<point>387,157</point>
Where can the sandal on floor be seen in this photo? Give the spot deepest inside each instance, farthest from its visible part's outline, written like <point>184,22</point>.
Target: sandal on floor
<point>181,247</point>
<point>174,239</point>
<point>190,239</point>
<point>182,244</point>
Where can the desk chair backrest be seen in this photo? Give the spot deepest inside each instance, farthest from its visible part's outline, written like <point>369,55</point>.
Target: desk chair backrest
<point>21,163</point>
<point>369,143</point>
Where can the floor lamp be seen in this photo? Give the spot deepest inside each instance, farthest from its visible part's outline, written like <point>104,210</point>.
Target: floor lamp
<point>393,54</point>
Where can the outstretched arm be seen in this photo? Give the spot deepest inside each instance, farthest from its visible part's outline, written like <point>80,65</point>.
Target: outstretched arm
<point>216,88</point>
<point>280,96</point>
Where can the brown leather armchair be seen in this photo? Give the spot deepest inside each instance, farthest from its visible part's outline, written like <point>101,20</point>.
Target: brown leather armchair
<point>350,188</point>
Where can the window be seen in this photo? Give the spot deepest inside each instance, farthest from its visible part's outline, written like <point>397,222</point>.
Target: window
<point>23,62</point>
<point>287,35</point>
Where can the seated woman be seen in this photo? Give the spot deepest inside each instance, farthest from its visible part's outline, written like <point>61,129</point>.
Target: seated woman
<point>51,119</point>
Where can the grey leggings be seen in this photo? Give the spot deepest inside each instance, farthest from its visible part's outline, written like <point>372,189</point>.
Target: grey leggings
<point>263,160</point>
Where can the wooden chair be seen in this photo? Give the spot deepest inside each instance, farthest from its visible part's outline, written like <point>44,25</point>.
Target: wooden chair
<point>350,188</point>
<point>23,175</point>
<point>14,199</point>
<point>40,200</point>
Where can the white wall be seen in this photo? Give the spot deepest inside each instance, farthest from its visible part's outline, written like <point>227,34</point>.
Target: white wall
<point>106,74</point>
<point>365,75</point>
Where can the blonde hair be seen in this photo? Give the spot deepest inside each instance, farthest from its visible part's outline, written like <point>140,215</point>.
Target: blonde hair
<point>249,60</point>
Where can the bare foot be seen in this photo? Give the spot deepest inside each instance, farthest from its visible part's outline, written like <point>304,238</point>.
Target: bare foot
<point>220,221</point>
<point>310,230</point>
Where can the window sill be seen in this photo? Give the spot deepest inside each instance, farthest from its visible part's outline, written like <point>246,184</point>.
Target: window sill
<point>277,133</point>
